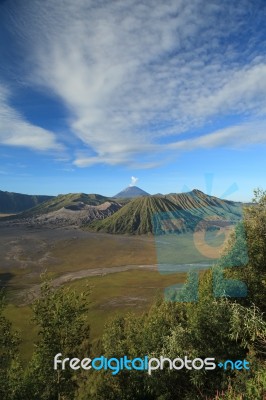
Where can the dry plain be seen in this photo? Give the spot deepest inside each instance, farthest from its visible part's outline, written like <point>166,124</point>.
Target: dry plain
<point>121,270</point>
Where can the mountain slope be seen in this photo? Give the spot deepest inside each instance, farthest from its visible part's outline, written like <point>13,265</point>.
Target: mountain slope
<point>64,200</point>
<point>137,217</point>
<point>68,209</point>
<point>16,202</point>
<point>131,192</point>
<point>181,212</point>
<point>76,214</point>
<point>203,205</point>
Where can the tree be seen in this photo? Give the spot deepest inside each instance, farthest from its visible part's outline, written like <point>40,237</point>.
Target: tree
<point>255,226</point>
<point>61,317</point>
<point>10,368</point>
<point>225,327</point>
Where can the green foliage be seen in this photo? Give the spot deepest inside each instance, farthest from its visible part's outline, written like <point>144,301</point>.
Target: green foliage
<point>211,327</point>
<point>219,329</point>
<point>61,317</point>
<point>223,327</point>
<point>236,253</point>
<point>188,292</point>
<point>250,321</point>
<point>250,387</point>
<point>255,225</point>
<point>244,258</point>
<point>10,369</point>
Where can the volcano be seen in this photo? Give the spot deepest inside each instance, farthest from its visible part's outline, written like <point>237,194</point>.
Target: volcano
<point>131,192</point>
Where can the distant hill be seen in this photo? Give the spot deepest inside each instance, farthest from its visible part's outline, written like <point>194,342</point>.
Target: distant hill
<point>75,214</point>
<point>131,192</point>
<point>16,202</point>
<point>65,200</point>
<point>188,209</point>
<point>136,217</point>
<point>123,214</point>
<point>202,205</point>
<point>72,209</point>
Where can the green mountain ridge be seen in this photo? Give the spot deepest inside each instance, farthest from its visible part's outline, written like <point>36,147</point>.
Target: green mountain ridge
<point>64,200</point>
<point>136,216</point>
<point>17,202</point>
<point>203,205</point>
<point>186,209</point>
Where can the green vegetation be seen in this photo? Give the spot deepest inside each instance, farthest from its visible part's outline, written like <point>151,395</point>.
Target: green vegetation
<point>17,202</point>
<point>21,319</point>
<point>137,217</point>
<point>223,327</point>
<point>8,356</point>
<point>111,295</point>
<point>188,209</point>
<point>134,217</point>
<point>120,293</point>
<point>61,319</point>
<point>204,329</point>
<point>201,204</point>
<point>61,316</point>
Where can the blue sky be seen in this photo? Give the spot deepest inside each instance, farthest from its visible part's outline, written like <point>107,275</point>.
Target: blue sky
<point>93,93</point>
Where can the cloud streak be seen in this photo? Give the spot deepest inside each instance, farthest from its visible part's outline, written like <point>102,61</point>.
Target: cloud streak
<point>16,131</point>
<point>137,79</point>
<point>236,137</point>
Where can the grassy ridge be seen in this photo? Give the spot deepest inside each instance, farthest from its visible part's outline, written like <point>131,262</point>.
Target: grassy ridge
<point>17,202</point>
<point>188,209</point>
<point>64,200</point>
<point>201,204</point>
<point>136,217</point>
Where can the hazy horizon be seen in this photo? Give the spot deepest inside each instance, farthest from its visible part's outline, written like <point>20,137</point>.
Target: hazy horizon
<point>224,196</point>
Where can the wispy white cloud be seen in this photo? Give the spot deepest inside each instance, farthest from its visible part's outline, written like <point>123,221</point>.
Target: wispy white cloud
<point>238,136</point>
<point>135,76</point>
<point>243,91</point>
<point>16,131</point>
